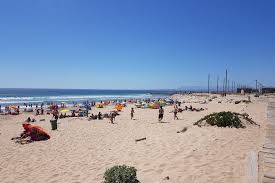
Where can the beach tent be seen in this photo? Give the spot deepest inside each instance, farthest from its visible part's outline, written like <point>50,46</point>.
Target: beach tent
<point>99,105</point>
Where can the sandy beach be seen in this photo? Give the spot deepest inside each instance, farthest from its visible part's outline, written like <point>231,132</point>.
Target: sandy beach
<point>137,91</point>
<point>82,150</point>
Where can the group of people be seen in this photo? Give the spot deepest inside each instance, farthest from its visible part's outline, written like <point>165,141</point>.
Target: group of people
<point>40,111</point>
<point>14,110</point>
<point>112,115</point>
<point>31,105</point>
<point>177,110</point>
<point>36,133</point>
<point>161,113</point>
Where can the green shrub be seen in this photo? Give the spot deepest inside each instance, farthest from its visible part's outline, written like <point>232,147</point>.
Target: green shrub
<point>121,174</point>
<point>222,119</point>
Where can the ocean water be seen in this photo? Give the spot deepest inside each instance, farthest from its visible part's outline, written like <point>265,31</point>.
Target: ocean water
<point>34,96</point>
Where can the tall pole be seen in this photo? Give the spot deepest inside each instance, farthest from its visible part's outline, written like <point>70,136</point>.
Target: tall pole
<point>256,86</point>
<point>223,86</point>
<point>225,82</point>
<point>228,87</point>
<point>260,88</point>
<point>208,83</point>
<point>218,85</point>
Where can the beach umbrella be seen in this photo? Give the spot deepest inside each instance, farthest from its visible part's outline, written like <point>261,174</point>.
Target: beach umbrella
<point>118,107</point>
<point>64,111</point>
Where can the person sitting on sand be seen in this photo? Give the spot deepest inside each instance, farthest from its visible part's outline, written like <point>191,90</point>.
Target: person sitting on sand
<point>161,113</point>
<point>92,117</point>
<point>99,116</point>
<point>32,133</point>
<point>28,120</point>
<point>132,113</point>
<point>201,109</point>
<point>37,112</point>
<point>176,112</point>
<point>36,133</point>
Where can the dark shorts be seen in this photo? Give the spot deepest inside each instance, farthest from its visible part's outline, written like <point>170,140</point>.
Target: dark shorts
<point>39,137</point>
<point>160,116</point>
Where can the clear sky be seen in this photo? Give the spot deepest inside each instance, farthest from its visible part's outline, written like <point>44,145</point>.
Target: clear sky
<point>135,44</point>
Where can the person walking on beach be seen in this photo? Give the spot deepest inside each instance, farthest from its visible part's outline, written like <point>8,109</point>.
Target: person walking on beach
<point>161,113</point>
<point>176,112</point>
<point>112,117</point>
<point>132,113</point>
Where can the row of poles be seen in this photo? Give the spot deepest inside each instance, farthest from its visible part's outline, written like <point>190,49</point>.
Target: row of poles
<point>259,87</point>
<point>232,87</point>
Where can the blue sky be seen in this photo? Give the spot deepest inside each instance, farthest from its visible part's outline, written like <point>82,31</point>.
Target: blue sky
<point>135,44</point>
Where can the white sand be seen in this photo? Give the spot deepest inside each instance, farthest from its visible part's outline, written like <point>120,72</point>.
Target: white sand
<point>82,150</point>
